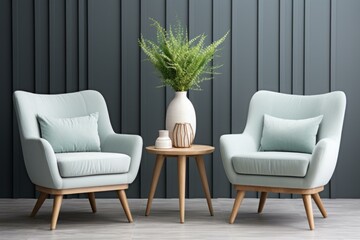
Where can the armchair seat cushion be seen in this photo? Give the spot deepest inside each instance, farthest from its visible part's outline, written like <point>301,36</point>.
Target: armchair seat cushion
<point>78,164</point>
<point>291,164</point>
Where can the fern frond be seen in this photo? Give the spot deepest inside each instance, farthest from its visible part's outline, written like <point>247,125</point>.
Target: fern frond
<point>183,63</point>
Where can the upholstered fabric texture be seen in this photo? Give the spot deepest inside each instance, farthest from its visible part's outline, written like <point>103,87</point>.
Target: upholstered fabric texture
<point>245,165</point>
<point>78,164</point>
<point>292,135</point>
<point>272,163</point>
<point>78,134</point>
<point>39,156</point>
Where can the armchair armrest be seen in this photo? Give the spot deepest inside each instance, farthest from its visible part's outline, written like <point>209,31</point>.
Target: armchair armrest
<point>41,164</point>
<point>232,145</point>
<point>130,145</point>
<point>323,162</point>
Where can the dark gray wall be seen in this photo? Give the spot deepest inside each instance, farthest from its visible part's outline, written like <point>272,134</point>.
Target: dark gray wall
<point>292,46</point>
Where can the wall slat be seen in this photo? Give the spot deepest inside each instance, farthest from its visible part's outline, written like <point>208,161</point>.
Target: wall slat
<point>298,47</point>
<point>6,136</point>
<point>200,21</point>
<point>23,78</point>
<point>57,44</point>
<point>345,62</point>
<point>221,100</point>
<point>130,76</point>
<point>285,46</point>
<point>71,21</point>
<point>152,99</point>
<point>83,44</point>
<point>244,62</point>
<point>41,8</point>
<point>317,54</point>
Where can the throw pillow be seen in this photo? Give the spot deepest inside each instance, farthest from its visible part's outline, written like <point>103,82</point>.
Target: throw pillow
<point>78,134</point>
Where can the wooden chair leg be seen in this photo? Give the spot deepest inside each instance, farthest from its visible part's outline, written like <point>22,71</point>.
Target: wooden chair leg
<point>319,203</point>
<point>263,197</point>
<point>92,201</point>
<point>239,197</point>
<point>308,209</point>
<point>56,209</point>
<point>39,203</point>
<point>125,205</point>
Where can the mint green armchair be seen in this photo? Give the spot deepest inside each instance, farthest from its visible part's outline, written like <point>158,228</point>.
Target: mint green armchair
<point>118,151</point>
<point>290,172</point>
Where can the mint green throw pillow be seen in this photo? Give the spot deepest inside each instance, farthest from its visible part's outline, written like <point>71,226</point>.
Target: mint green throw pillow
<point>289,135</point>
<point>78,134</point>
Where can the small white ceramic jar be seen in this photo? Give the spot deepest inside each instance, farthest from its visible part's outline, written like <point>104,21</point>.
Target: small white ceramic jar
<point>163,141</point>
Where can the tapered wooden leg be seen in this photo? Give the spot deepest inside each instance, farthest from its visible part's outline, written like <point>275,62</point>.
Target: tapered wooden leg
<point>156,173</point>
<point>91,197</point>
<point>39,203</point>
<point>201,167</point>
<point>56,209</point>
<point>125,205</point>
<point>263,197</point>
<point>182,175</point>
<point>308,209</point>
<point>239,197</point>
<point>319,203</point>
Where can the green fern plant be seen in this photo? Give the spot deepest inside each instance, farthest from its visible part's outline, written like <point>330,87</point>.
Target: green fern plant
<point>182,63</point>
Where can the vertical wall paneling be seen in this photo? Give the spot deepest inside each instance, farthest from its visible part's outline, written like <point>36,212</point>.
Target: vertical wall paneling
<point>83,44</point>
<point>293,46</point>
<point>268,68</point>
<point>152,112</point>
<point>57,45</point>
<point>298,47</point>
<point>221,93</point>
<point>244,30</point>
<point>285,45</point>
<point>317,45</point>
<point>104,56</point>
<point>244,60</point>
<point>345,77</point>
<point>333,24</point>
<point>285,51</point>
<point>317,54</point>
<point>130,76</point>
<point>268,47</point>
<point>72,83</point>
<point>41,8</point>
<point>200,21</point>
<point>6,165</point>
<point>175,11</point>
<point>23,78</point>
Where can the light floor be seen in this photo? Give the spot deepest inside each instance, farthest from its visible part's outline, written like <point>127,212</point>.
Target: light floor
<point>281,219</point>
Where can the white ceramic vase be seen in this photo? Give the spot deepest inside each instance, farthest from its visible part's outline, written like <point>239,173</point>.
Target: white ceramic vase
<point>163,141</point>
<point>180,110</point>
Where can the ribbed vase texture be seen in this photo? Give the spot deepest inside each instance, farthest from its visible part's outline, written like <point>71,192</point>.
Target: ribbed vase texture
<point>183,135</point>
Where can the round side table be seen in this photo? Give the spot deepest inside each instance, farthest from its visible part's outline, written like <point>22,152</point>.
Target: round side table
<point>196,151</point>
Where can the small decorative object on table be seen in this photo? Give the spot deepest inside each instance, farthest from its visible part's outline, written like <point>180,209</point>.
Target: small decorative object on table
<point>163,141</point>
<point>183,135</point>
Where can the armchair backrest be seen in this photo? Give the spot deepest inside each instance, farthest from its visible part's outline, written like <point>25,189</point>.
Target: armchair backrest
<point>29,105</point>
<point>330,105</point>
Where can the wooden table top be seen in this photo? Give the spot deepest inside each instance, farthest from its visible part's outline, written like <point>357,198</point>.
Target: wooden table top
<point>191,151</point>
